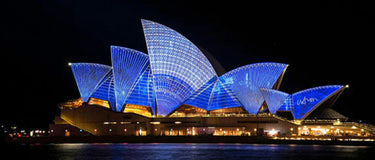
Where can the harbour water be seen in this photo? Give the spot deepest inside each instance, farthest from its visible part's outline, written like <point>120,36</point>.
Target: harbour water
<point>189,151</point>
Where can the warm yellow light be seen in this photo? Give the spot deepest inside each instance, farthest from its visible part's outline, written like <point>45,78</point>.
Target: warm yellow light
<point>100,102</point>
<point>142,110</point>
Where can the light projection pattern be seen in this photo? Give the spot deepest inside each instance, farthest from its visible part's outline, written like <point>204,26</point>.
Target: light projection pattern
<point>87,76</point>
<point>142,92</point>
<point>247,80</point>
<point>274,98</point>
<point>105,90</point>
<point>287,105</point>
<point>127,66</point>
<point>179,68</point>
<point>223,97</point>
<point>305,101</point>
<point>202,97</point>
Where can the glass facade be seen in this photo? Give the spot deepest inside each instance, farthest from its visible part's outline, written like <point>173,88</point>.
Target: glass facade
<point>179,68</point>
<point>87,76</point>
<point>247,80</point>
<point>127,66</point>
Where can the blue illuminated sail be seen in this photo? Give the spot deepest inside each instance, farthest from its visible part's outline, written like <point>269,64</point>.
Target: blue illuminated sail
<point>305,101</point>
<point>202,97</point>
<point>127,66</point>
<point>105,90</point>
<point>87,77</point>
<point>274,98</point>
<point>247,80</point>
<point>223,96</point>
<point>142,92</point>
<point>179,68</point>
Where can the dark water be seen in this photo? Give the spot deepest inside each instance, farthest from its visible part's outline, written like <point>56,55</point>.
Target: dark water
<point>187,151</point>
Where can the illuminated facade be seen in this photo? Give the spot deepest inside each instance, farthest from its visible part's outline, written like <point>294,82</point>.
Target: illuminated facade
<point>174,84</point>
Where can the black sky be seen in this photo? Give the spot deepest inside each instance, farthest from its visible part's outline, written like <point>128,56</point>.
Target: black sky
<point>323,43</point>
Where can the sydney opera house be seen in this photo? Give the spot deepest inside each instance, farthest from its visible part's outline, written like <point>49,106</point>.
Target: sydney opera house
<point>176,90</point>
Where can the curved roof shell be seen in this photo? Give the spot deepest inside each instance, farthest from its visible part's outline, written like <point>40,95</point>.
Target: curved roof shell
<point>127,66</point>
<point>306,101</point>
<point>247,80</point>
<point>274,98</point>
<point>179,68</point>
<point>87,77</point>
<point>301,103</point>
<point>105,90</point>
<point>142,92</point>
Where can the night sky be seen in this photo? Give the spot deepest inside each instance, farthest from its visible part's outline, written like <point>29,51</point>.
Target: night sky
<point>323,43</point>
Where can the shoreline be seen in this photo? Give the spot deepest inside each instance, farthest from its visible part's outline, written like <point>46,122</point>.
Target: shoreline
<point>186,139</point>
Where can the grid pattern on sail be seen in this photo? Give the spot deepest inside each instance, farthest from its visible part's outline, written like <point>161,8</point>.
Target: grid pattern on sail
<point>223,97</point>
<point>274,98</point>
<point>303,102</point>
<point>179,68</point>
<point>142,92</point>
<point>247,80</point>
<point>127,66</point>
<point>202,97</point>
<point>87,77</point>
<point>105,90</point>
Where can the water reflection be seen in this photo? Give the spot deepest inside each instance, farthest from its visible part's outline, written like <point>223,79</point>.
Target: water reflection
<point>190,151</point>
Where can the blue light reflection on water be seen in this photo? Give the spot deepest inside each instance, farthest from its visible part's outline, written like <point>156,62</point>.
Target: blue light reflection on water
<point>191,151</point>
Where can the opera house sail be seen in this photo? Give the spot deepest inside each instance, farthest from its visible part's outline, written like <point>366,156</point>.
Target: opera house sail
<point>88,76</point>
<point>178,67</point>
